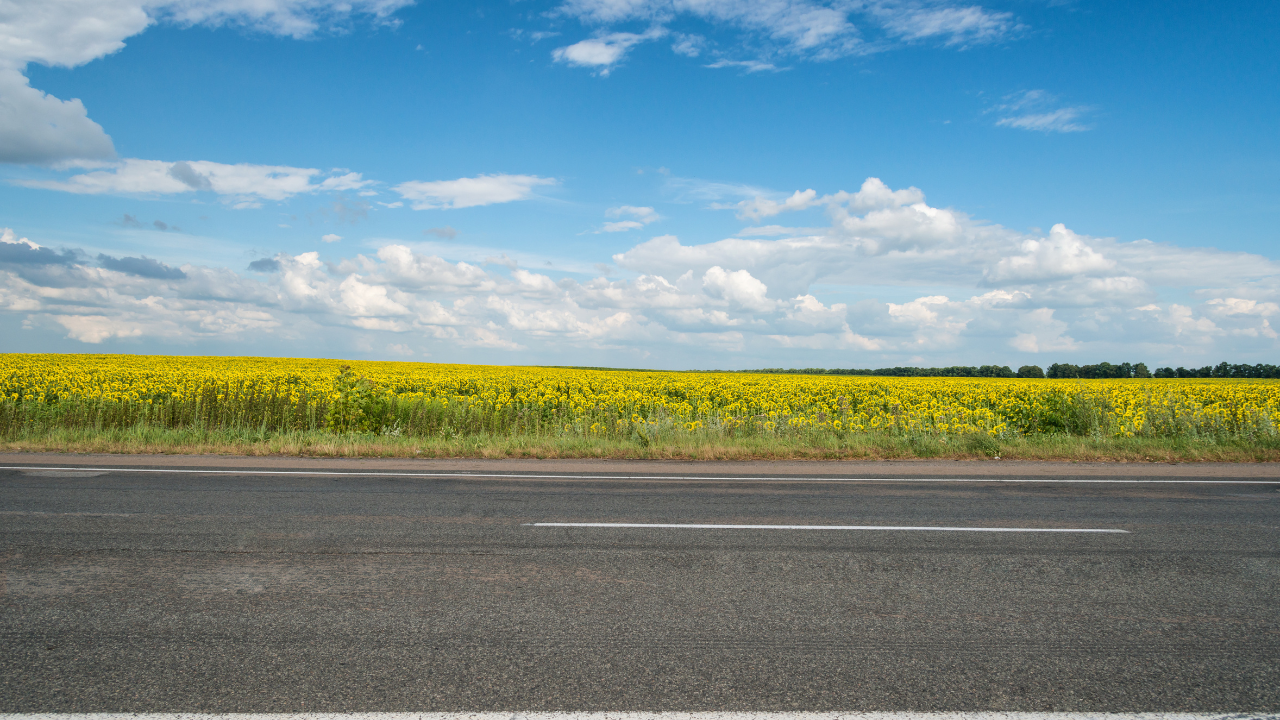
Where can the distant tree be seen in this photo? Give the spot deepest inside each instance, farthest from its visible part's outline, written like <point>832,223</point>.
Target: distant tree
<point>1140,371</point>
<point>1101,370</point>
<point>1166,372</point>
<point>1185,373</point>
<point>1062,371</point>
<point>995,371</point>
<point>1030,371</point>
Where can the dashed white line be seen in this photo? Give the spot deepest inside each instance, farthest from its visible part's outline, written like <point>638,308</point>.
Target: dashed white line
<point>924,528</point>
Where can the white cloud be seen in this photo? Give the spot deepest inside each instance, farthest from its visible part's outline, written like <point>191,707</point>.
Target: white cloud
<point>1060,120</point>
<point>750,66</point>
<point>9,237</point>
<point>969,25</point>
<point>933,321</point>
<point>643,216</point>
<point>1062,254</point>
<point>768,230</point>
<point>36,127</point>
<point>69,33</point>
<point>470,192</point>
<point>689,45</point>
<point>873,195</point>
<point>330,238</point>
<point>293,18</point>
<point>347,181</point>
<point>604,52</point>
<point>1185,323</point>
<point>1039,111</point>
<point>243,185</point>
<point>93,329</point>
<point>888,279</point>
<point>796,25</point>
<point>1241,306</point>
<point>760,207</point>
<point>807,29</point>
<point>738,288</point>
<point>1243,317</point>
<point>1042,333</point>
<point>39,128</point>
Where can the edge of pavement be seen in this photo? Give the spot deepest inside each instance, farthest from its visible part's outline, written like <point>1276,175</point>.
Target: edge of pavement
<point>995,469</point>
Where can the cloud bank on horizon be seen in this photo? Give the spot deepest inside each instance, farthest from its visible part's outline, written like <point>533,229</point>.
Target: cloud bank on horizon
<point>866,276</point>
<point>1021,295</point>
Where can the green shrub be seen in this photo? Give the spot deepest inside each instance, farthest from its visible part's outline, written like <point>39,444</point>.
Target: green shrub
<point>358,407</point>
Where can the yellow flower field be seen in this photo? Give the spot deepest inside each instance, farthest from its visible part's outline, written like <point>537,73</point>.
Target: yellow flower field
<point>434,399</point>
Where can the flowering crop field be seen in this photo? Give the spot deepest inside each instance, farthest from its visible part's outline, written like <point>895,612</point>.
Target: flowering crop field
<point>418,399</point>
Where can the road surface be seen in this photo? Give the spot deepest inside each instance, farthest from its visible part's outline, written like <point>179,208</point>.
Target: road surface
<point>284,585</point>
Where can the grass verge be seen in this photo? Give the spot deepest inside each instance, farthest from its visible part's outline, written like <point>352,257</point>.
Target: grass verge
<point>867,446</point>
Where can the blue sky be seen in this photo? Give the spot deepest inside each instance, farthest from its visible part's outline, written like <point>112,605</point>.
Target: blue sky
<point>678,184</point>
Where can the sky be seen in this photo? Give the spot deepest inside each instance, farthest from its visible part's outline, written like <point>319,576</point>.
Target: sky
<point>673,184</point>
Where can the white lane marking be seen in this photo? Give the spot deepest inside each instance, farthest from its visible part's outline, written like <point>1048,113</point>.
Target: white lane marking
<point>40,513</point>
<point>643,716</point>
<point>706,478</point>
<point>697,526</point>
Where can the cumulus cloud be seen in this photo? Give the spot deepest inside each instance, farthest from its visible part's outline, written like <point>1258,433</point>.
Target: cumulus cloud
<point>470,192</point>
<point>760,207</point>
<point>1062,254</point>
<point>889,279</point>
<point>873,195</point>
<point>1243,306</point>
<point>738,288</point>
<point>21,251</point>
<point>1041,333</point>
<point>38,128</point>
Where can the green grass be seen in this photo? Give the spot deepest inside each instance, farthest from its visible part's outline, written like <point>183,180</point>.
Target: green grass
<point>862,446</point>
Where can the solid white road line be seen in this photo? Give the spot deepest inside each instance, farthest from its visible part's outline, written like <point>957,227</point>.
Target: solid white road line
<point>645,716</point>
<point>704,478</point>
<point>696,526</point>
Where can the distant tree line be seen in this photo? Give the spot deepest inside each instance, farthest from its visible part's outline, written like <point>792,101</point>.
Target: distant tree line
<point>1056,371</point>
<point>1101,370</point>
<point>998,371</point>
<point>1222,370</point>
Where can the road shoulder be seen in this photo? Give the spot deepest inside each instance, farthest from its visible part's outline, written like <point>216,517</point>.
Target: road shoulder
<point>804,468</point>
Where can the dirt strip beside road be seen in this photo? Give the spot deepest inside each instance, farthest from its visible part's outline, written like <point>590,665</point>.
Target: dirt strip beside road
<point>851,469</point>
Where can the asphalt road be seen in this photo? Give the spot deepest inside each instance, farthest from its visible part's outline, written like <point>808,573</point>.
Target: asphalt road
<point>249,592</point>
